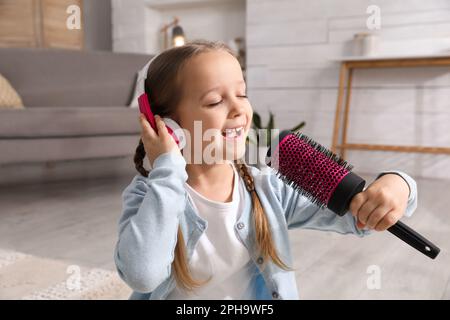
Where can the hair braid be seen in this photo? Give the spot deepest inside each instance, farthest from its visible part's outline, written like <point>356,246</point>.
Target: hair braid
<point>139,156</point>
<point>262,229</point>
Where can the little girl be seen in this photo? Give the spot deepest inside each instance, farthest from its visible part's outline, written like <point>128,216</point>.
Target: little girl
<point>201,230</point>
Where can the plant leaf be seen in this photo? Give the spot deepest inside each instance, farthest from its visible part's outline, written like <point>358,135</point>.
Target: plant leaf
<point>250,140</point>
<point>270,126</point>
<point>256,120</point>
<point>271,123</point>
<point>299,126</point>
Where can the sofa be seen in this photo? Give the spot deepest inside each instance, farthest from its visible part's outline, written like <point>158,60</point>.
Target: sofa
<point>76,123</point>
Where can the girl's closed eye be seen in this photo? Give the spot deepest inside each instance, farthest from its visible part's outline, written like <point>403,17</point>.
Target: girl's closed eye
<point>219,102</point>
<point>243,94</point>
<point>215,104</point>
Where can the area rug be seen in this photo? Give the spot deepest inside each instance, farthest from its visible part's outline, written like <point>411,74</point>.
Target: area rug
<point>24,276</point>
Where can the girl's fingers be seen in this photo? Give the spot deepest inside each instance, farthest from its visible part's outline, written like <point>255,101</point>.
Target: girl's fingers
<point>366,210</point>
<point>146,127</point>
<point>360,225</point>
<point>162,130</point>
<point>388,221</point>
<point>356,203</point>
<point>377,215</point>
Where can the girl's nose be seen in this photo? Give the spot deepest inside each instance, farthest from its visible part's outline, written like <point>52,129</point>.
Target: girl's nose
<point>236,108</point>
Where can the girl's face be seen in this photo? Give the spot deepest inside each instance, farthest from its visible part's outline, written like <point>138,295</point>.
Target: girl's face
<point>215,106</point>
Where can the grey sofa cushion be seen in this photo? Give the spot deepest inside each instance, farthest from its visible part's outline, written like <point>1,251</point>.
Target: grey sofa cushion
<point>41,122</point>
<point>66,78</point>
<point>14,151</point>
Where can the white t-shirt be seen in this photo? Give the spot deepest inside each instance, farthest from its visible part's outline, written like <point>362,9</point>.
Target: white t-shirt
<point>219,253</point>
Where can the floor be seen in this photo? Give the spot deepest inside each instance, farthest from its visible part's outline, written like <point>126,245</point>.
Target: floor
<point>76,222</point>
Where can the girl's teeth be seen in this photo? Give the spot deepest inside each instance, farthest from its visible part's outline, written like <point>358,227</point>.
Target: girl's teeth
<point>231,133</point>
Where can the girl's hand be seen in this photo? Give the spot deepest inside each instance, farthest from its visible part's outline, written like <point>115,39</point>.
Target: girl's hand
<point>156,144</point>
<point>382,204</point>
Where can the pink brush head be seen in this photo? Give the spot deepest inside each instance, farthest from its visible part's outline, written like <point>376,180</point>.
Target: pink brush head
<point>314,171</point>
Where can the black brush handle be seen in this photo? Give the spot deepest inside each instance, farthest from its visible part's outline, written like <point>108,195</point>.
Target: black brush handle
<point>414,239</point>
<point>353,184</point>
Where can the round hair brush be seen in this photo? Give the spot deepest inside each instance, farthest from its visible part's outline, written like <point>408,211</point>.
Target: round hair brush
<point>326,180</point>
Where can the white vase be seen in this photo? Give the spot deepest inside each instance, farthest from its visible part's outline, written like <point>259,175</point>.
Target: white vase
<point>366,44</point>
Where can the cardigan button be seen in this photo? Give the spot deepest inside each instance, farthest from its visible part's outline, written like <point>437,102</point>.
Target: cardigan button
<point>275,295</point>
<point>260,260</point>
<point>240,225</point>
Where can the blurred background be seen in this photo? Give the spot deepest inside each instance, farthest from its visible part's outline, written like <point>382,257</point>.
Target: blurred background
<point>370,79</point>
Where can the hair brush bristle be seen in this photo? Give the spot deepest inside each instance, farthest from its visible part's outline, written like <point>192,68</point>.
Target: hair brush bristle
<point>325,151</point>
<point>309,168</point>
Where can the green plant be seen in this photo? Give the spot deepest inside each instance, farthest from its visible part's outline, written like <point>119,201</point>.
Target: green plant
<point>256,124</point>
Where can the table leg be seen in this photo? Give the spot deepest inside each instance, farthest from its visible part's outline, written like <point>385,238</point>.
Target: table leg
<point>346,111</point>
<point>337,116</point>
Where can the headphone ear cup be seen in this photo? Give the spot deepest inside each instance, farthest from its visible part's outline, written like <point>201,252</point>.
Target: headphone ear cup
<point>176,131</point>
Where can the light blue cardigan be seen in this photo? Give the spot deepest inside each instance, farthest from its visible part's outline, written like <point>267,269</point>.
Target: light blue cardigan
<point>153,207</point>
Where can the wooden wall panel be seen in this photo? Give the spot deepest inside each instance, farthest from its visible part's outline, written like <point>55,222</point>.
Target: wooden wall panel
<point>38,23</point>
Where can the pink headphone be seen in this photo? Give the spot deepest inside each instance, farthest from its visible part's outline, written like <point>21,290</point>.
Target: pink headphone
<point>144,107</point>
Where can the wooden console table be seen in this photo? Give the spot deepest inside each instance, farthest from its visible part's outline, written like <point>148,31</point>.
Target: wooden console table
<point>346,72</point>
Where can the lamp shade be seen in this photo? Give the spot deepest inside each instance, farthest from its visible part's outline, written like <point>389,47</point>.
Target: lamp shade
<point>178,36</point>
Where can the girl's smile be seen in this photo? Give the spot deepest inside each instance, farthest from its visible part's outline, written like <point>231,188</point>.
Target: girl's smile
<point>233,133</point>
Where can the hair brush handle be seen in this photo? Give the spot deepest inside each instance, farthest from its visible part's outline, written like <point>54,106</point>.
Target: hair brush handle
<point>414,239</point>
<point>353,184</point>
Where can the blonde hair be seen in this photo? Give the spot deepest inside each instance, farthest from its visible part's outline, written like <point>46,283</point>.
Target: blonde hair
<point>164,96</point>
